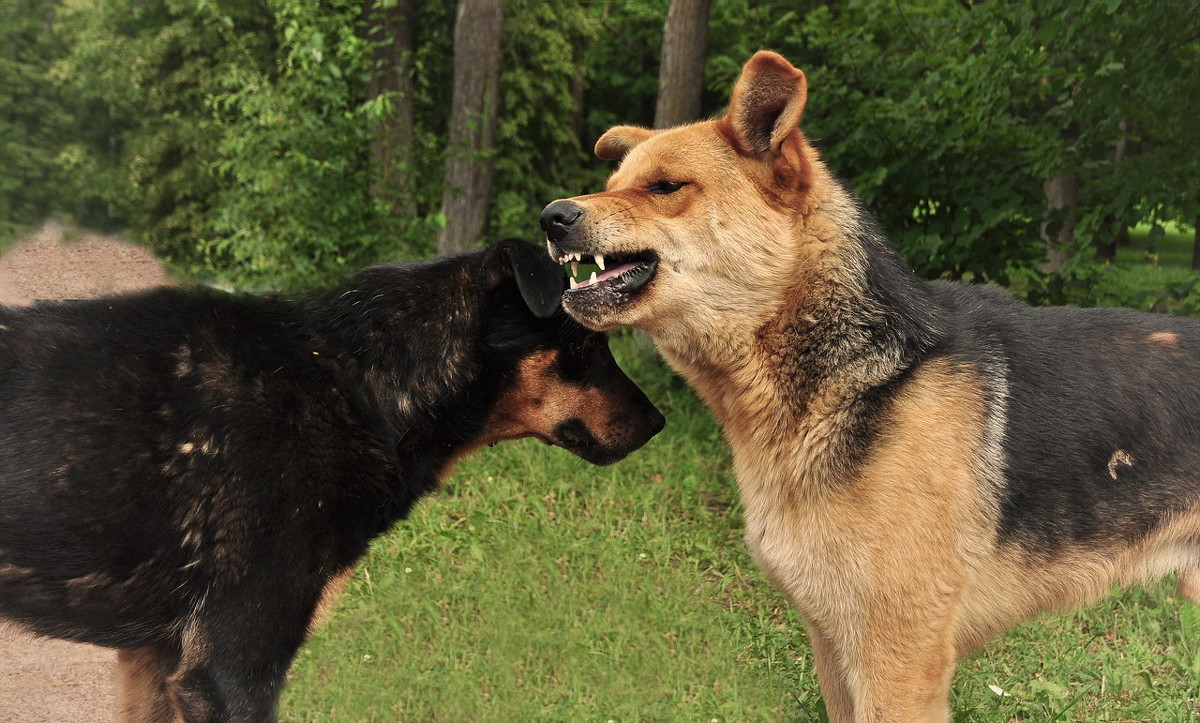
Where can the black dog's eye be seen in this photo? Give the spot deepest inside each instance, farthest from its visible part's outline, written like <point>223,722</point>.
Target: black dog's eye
<point>664,187</point>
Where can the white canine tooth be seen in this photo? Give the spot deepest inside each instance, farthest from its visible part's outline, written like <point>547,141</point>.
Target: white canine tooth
<point>600,261</point>
<point>574,283</point>
<point>579,256</point>
<point>549,247</point>
<point>593,279</point>
<point>574,268</point>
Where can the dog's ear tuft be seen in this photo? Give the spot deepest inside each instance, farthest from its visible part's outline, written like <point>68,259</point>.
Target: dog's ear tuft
<point>766,104</point>
<point>619,141</point>
<point>540,280</point>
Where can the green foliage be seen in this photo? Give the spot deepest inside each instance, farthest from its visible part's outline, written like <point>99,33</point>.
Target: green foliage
<point>153,66</point>
<point>920,107</point>
<point>945,117</point>
<point>244,129</point>
<point>538,153</point>
<point>1151,273</point>
<point>234,136</point>
<point>622,66</point>
<point>1125,109</point>
<point>958,202</point>
<point>37,120</point>
<point>293,192</point>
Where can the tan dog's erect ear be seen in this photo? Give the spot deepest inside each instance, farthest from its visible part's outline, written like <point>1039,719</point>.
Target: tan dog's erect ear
<point>620,140</point>
<point>766,104</point>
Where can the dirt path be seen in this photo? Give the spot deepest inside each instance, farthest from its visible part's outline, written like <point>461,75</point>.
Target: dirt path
<point>50,265</point>
<point>50,680</point>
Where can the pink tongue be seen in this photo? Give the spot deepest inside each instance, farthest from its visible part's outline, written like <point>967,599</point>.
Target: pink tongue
<point>614,272</point>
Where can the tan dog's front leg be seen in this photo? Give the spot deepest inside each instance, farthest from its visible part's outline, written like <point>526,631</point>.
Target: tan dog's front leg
<point>905,681</point>
<point>831,674</point>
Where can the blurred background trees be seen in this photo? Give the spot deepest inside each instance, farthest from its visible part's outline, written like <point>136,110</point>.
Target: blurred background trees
<point>275,143</point>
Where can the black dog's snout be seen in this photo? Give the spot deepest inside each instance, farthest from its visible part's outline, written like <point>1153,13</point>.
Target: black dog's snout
<point>657,421</point>
<point>558,217</point>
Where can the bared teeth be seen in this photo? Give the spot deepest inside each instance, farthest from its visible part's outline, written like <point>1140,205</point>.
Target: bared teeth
<point>575,259</point>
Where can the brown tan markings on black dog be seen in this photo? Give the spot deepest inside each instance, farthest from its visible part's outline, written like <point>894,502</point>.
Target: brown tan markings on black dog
<point>922,464</point>
<point>190,476</point>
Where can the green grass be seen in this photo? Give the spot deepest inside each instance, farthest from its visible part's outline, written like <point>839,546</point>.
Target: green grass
<point>536,587</point>
<point>1152,274</point>
<point>1172,250</point>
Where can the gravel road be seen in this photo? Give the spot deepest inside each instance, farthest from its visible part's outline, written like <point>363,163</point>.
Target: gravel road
<point>49,680</point>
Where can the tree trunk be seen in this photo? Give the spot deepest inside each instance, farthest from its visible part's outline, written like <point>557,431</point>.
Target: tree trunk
<point>468,186</point>
<point>1058,230</point>
<point>578,115</point>
<point>1114,230</point>
<point>1196,244</point>
<point>681,75</point>
<point>390,54</point>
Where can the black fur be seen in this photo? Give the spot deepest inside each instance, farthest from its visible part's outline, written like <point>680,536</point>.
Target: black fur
<point>1082,384</point>
<point>187,469</point>
<point>1073,387</point>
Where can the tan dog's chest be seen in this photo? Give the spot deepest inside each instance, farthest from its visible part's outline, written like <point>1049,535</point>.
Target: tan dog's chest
<point>831,542</point>
<point>805,551</point>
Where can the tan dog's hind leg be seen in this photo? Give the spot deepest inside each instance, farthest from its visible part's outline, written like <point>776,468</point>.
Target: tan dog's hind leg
<point>141,679</point>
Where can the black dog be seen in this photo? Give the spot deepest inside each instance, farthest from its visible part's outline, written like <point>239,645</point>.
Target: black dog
<point>190,476</point>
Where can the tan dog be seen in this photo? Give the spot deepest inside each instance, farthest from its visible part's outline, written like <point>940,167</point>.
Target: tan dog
<point>922,464</point>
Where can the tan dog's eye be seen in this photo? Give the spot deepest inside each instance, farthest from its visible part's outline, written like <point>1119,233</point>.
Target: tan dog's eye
<point>663,187</point>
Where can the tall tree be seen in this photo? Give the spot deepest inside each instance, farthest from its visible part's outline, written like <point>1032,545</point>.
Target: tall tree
<point>1196,243</point>
<point>468,185</point>
<point>390,59</point>
<point>1062,215</point>
<point>681,75</point>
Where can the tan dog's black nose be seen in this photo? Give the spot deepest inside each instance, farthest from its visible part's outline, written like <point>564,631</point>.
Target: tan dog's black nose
<point>557,219</point>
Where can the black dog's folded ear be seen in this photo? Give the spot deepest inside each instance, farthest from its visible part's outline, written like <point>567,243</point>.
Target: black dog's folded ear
<point>540,280</point>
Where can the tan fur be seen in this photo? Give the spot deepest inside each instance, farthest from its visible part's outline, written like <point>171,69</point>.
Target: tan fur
<point>873,566</point>
<point>535,402</point>
<point>539,400</point>
<point>533,405</point>
<point>329,598</point>
<point>896,569</point>
<point>141,686</point>
<point>1164,338</point>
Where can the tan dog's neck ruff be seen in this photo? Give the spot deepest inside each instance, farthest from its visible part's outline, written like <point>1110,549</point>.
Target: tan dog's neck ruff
<point>746,369</point>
